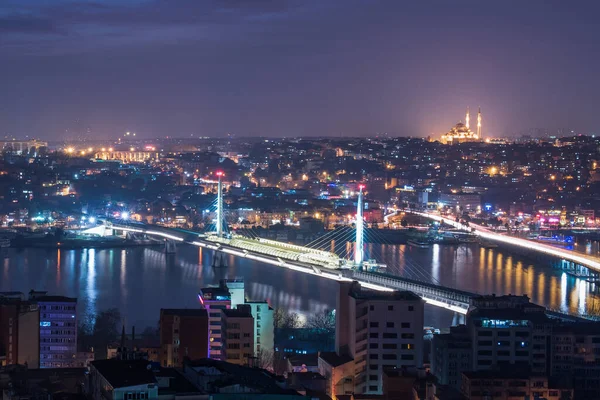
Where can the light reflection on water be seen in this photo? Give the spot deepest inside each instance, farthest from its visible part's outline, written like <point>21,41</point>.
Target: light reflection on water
<point>139,281</point>
<point>473,268</point>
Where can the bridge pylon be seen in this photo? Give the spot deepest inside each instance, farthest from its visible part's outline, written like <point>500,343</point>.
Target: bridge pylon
<point>220,205</point>
<point>359,254</point>
<point>170,246</point>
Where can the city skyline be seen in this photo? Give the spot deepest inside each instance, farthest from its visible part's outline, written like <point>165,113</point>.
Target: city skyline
<point>286,69</point>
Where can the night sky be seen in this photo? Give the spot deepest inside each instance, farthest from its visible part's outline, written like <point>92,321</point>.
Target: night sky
<point>296,68</point>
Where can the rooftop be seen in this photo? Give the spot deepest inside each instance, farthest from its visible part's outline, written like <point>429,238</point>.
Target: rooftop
<point>214,294</point>
<point>298,360</point>
<point>504,373</point>
<point>178,384</point>
<point>55,299</point>
<point>124,373</point>
<point>233,374</point>
<point>578,328</point>
<point>359,292</point>
<point>184,312</point>
<point>333,359</point>
<point>236,313</point>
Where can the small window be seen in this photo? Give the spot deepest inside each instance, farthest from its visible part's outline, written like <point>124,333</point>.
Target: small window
<point>390,308</point>
<point>373,377</point>
<point>390,324</point>
<point>374,335</point>
<point>374,324</point>
<point>373,357</point>
<point>373,388</point>
<point>373,345</point>
<point>411,308</point>
<point>371,308</point>
<point>405,325</point>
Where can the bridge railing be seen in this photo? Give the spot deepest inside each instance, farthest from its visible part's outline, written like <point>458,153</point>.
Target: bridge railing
<point>454,296</point>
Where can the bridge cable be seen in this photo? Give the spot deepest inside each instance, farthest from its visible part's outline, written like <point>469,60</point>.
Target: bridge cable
<point>415,270</point>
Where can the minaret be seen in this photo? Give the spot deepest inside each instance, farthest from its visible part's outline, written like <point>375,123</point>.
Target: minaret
<point>479,124</point>
<point>467,118</point>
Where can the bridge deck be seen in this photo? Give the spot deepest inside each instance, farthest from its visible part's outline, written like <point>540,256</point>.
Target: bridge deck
<point>591,262</point>
<point>453,299</point>
<point>439,296</point>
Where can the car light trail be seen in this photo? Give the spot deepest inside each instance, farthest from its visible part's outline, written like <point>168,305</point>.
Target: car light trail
<point>568,255</point>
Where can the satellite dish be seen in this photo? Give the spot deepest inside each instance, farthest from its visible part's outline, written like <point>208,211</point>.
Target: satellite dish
<point>149,367</point>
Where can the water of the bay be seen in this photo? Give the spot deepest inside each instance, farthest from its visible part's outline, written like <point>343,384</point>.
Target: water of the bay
<point>140,281</point>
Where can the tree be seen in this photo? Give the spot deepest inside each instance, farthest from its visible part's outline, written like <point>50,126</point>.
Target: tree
<point>404,223</point>
<point>285,319</point>
<point>265,359</point>
<point>150,332</point>
<point>107,324</point>
<point>322,321</point>
<point>98,333</point>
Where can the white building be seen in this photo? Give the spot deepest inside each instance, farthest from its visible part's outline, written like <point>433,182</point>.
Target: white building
<point>461,201</point>
<point>378,330</point>
<point>228,295</point>
<point>263,326</point>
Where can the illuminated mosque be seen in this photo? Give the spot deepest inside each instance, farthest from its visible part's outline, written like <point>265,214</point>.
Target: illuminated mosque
<point>461,133</point>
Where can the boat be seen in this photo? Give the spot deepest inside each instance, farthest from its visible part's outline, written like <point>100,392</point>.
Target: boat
<point>467,239</point>
<point>373,266</point>
<point>420,243</point>
<point>488,245</point>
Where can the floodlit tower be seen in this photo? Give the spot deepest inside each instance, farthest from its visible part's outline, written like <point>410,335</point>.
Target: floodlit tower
<point>359,249</point>
<point>467,119</point>
<point>479,124</point>
<point>220,206</point>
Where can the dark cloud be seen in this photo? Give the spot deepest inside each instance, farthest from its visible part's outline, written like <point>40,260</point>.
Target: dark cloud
<point>19,25</point>
<point>89,23</point>
<point>296,67</point>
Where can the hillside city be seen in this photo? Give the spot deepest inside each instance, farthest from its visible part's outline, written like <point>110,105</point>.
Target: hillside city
<point>374,344</point>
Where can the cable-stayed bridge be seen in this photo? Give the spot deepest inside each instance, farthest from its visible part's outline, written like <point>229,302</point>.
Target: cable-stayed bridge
<point>343,261</point>
<point>310,259</point>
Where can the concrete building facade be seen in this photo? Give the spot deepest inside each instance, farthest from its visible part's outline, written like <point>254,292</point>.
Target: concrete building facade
<point>19,331</point>
<point>238,335</point>
<point>57,330</point>
<point>214,300</point>
<point>183,333</point>
<point>264,332</point>
<point>378,330</point>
